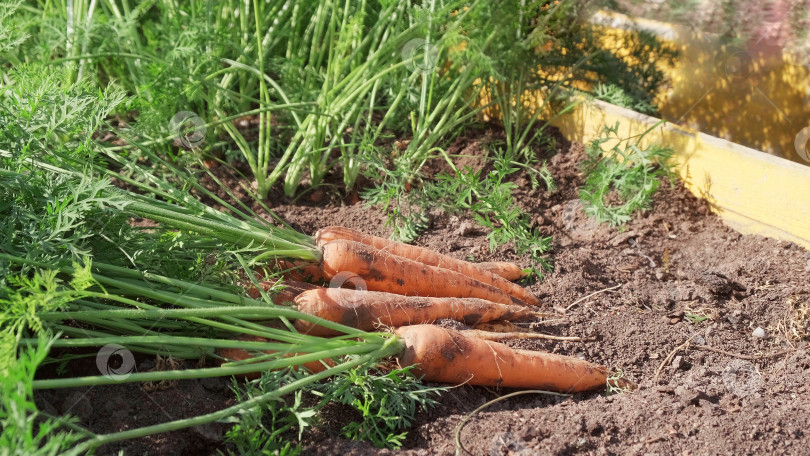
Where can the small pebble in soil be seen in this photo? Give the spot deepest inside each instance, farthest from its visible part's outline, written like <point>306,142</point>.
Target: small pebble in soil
<point>679,292</point>
<point>622,238</point>
<point>734,317</point>
<point>687,227</point>
<point>538,220</point>
<point>688,396</point>
<point>466,229</point>
<point>316,196</point>
<point>760,333</point>
<point>757,403</point>
<point>675,317</point>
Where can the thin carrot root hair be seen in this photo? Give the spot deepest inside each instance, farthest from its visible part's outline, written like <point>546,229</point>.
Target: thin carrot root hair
<point>500,335</point>
<point>499,327</point>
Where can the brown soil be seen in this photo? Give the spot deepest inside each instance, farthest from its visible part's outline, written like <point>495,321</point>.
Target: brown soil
<point>727,392</point>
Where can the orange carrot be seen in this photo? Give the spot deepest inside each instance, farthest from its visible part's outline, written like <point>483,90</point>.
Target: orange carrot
<point>239,354</point>
<point>367,310</point>
<point>448,356</point>
<point>382,271</point>
<point>505,269</point>
<point>285,296</point>
<point>425,256</point>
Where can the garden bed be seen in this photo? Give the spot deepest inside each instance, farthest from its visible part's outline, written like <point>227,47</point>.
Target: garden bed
<point>676,274</point>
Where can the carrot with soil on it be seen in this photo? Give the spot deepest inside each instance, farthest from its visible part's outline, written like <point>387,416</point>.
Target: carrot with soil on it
<point>505,269</point>
<point>448,356</point>
<point>367,310</point>
<point>384,271</point>
<point>425,256</point>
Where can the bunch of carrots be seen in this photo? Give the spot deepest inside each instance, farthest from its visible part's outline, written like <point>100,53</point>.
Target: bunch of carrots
<point>406,288</point>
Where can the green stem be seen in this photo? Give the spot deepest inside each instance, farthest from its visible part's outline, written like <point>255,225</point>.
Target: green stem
<point>174,298</point>
<point>243,235</point>
<point>252,312</point>
<point>220,121</point>
<point>357,348</point>
<point>165,350</point>
<point>162,339</point>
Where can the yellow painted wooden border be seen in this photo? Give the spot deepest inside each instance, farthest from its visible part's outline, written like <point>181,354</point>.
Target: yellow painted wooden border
<point>753,192</point>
